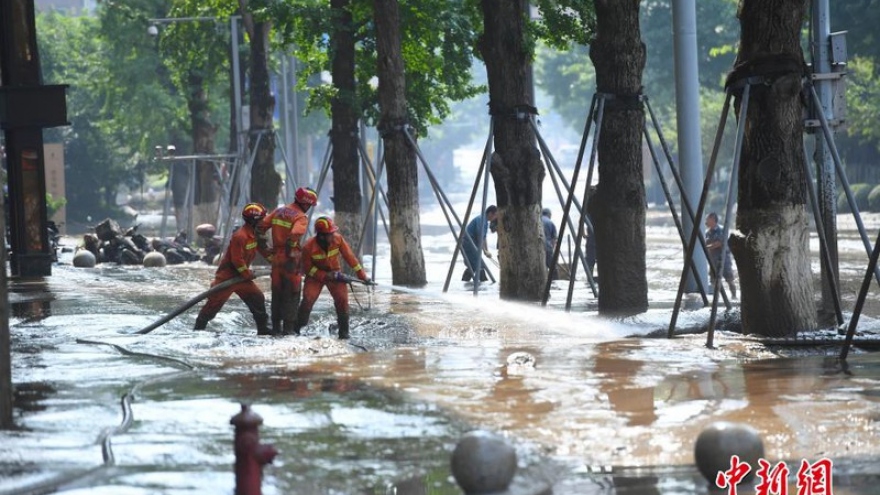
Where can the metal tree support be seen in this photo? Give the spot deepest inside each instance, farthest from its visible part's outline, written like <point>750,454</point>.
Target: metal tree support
<point>446,207</point>
<point>374,177</point>
<point>699,214</point>
<point>373,207</point>
<point>823,240</point>
<point>189,200</point>
<point>860,302</point>
<point>239,191</point>
<point>841,174</point>
<point>556,177</point>
<point>597,109</point>
<point>596,113</point>
<point>746,87</point>
<point>482,176</point>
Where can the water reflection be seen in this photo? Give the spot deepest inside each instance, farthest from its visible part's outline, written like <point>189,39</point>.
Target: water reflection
<point>618,373</point>
<point>32,396</point>
<point>30,299</point>
<point>513,394</point>
<point>32,311</point>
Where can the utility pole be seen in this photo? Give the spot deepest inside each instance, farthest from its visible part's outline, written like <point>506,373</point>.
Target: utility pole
<point>828,54</point>
<point>687,104</point>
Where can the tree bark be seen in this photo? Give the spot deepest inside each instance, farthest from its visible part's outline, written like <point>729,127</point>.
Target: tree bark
<point>204,132</point>
<point>265,181</point>
<point>344,132</point>
<point>771,246</point>
<point>407,258</point>
<point>516,164</point>
<point>618,209</point>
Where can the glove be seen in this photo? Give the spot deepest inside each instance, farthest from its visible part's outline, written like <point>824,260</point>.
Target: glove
<point>293,249</point>
<point>488,254</point>
<point>337,276</point>
<point>367,281</point>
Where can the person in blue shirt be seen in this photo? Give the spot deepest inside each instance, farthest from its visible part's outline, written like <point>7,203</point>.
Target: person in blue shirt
<point>549,241</point>
<point>475,234</point>
<point>714,243</point>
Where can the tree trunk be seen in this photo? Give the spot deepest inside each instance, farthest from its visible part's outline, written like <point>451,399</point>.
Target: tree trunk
<point>265,181</point>
<point>771,246</point>
<point>618,209</point>
<point>516,164</point>
<point>203,133</point>
<point>344,132</point>
<point>407,259</point>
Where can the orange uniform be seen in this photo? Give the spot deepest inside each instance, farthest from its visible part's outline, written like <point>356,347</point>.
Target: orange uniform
<point>236,262</point>
<point>289,224</point>
<point>318,263</point>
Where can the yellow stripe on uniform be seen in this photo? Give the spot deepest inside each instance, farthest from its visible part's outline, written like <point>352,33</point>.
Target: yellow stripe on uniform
<point>333,252</point>
<point>319,256</point>
<point>313,271</point>
<point>251,245</point>
<point>281,222</point>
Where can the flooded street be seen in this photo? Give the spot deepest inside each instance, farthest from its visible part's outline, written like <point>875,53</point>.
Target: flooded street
<point>592,405</point>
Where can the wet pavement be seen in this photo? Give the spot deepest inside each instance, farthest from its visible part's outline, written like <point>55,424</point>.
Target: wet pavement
<point>592,405</point>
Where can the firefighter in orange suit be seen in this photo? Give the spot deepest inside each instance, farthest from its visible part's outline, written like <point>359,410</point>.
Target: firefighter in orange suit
<point>236,262</point>
<point>289,224</point>
<point>322,267</point>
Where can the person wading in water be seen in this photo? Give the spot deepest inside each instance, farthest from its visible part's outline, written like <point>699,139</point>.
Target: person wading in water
<point>289,224</point>
<point>236,262</point>
<point>323,267</point>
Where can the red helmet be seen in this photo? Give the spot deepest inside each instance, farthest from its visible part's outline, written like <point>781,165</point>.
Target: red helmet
<point>325,225</point>
<point>253,213</point>
<point>306,196</point>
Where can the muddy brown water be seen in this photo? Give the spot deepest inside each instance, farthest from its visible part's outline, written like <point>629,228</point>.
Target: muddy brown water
<point>592,405</point>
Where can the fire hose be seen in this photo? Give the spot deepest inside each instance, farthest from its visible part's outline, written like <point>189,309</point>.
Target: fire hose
<point>192,302</point>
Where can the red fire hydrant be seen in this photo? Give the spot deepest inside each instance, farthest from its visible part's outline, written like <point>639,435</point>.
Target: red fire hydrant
<point>250,455</point>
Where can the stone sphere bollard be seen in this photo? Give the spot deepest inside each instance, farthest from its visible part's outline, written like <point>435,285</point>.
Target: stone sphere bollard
<point>155,259</point>
<point>483,462</point>
<point>720,441</point>
<point>84,259</point>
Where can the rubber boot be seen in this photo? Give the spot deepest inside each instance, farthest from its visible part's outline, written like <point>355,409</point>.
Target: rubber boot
<point>261,318</point>
<point>302,319</point>
<point>262,321</point>
<point>275,307</point>
<point>291,305</point>
<point>467,275</point>
<point>342,320</point>
<point>201,323</point>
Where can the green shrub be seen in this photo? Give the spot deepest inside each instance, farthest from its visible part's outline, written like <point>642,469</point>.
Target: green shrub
<point>874,199</point>
<point>54,204</point>
<point>860,193</point>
